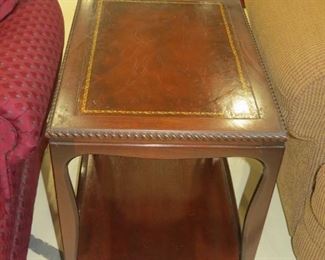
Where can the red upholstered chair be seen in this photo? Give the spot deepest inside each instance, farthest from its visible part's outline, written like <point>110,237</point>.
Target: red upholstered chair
<point>31,42</point>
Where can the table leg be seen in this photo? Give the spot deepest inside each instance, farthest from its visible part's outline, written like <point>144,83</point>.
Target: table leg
<point>68,212</point>
<point>259,204</point>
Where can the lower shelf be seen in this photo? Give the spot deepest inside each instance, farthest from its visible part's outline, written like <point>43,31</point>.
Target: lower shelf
<point>142,209</point>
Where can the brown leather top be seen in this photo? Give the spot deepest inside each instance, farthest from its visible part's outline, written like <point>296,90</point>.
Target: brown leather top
<point>159,58</point>
<point>162,65</point>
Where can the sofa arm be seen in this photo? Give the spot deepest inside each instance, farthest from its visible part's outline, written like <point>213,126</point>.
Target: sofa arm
<point>31,42</point>
<point>305,116</point>
<point>291,39</point>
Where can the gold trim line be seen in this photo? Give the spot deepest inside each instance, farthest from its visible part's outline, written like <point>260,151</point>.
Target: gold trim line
<point>85,95</point>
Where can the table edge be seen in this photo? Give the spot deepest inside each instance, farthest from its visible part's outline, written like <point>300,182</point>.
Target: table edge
<point>166,136</point>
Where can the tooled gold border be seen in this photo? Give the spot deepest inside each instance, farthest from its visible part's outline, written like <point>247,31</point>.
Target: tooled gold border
<point>83,103</point>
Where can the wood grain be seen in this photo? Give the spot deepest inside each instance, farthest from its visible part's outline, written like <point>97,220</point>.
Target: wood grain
<point>157,209</point>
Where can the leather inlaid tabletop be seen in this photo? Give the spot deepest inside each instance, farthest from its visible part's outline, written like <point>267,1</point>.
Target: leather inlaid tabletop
<point>165,58</point>
<point>163,71</point>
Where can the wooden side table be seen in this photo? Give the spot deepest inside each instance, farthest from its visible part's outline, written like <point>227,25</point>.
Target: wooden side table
<point>163,80</point>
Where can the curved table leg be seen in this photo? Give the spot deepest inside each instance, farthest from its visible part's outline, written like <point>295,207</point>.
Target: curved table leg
<point>253,224</point>
<point>68,212</point>
<point>259,204</point>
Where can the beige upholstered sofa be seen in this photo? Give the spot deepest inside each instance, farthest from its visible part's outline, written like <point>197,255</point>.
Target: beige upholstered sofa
<point>291,39</point>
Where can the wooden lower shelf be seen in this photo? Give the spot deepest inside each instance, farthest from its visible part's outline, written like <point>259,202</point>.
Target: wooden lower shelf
<point>140,209</point>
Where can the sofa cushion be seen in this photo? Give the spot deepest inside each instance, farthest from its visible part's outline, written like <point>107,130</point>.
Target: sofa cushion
<point>6,6</point>
<point>291,39</point>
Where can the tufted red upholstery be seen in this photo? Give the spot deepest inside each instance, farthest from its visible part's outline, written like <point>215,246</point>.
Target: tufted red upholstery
<point>31,41</point>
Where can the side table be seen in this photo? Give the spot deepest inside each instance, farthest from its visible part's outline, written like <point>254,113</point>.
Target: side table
<point>164,80</point>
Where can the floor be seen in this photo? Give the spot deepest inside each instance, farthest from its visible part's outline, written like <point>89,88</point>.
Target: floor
<point>275,241</point>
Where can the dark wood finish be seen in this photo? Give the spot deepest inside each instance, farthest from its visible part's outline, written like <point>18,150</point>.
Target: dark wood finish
<point>270,156</point>
<point>227,91</point>
<point>157,209</point>
<point>165,59</point>
<point>187,87</point>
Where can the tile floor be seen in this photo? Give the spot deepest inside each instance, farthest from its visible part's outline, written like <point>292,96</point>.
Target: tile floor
<point>275,241</point>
